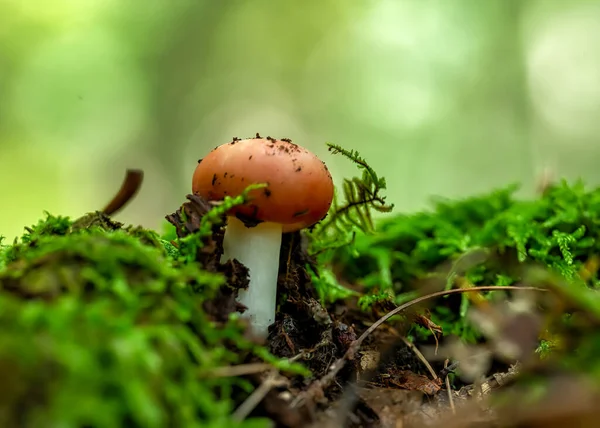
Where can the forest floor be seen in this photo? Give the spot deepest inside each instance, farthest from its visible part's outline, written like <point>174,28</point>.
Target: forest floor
<point>480,313</point>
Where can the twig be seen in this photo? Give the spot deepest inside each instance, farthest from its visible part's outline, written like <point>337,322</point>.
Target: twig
<point>238,370</point>
<point>257,396</point>
<point>130,186</point>
<point>450,398</point>
<point>356,344</point>
<point>351,392</point>
<point>250,368</point>
<point>448,369</point>
<point>420,356</point>
<point>317,386</point>
<point>418,353</point>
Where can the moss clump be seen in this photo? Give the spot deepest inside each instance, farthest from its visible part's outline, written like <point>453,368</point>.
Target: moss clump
<point>101,326</point>
<point>481,240</point>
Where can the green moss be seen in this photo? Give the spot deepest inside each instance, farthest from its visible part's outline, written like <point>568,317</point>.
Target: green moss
<point>490,239</point>
<point>559,230</point>
<point>102,325</point>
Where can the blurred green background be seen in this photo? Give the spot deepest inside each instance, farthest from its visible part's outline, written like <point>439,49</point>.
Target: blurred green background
<point>443,97</point>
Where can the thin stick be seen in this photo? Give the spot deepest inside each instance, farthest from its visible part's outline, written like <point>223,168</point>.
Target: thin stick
<point>335,368</point>
<point>420,356</point>
<point>450,398</point>
<point>257,396</point>
<point>246,369</point>
<point>238,370</point>
<point>356,344</point>
<point>130,186</point>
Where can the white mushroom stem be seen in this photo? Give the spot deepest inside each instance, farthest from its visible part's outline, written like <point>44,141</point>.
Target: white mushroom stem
<point>258,249</point>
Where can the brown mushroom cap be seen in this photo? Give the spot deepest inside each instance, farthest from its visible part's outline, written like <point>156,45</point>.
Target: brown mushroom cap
<point>299,191</point>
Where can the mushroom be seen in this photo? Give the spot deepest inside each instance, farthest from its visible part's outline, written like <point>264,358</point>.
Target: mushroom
<point>298,194</point>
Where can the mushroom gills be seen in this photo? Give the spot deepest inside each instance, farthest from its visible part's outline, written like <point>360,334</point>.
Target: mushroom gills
<point>258,249</point>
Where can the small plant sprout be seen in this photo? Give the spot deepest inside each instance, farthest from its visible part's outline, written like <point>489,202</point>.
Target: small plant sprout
<point>298,194</point>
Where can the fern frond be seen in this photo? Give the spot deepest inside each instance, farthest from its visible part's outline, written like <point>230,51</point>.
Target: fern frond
<point>361,195</point>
